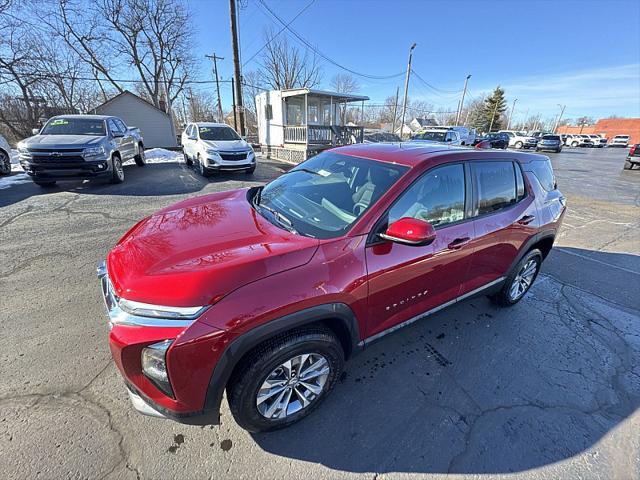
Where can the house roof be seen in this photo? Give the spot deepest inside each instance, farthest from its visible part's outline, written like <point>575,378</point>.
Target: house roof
<point>127,92</point>
<point>344,97</point>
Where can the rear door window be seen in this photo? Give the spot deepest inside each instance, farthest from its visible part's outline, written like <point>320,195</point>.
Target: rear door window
<point>544,173</point>
<point>495,184</point>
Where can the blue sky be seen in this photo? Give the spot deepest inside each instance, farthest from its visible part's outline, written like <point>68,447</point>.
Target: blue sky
<point>583,54</point>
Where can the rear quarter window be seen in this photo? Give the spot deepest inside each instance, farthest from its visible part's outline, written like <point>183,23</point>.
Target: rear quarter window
<point>544,173</point>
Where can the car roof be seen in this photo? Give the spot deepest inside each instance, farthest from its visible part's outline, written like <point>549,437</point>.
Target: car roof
<point>211,124</point>
<point>412,154</point>
<point>90,117</point>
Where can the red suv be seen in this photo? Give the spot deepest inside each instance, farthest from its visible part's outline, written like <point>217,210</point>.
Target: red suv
<point>266,291</point>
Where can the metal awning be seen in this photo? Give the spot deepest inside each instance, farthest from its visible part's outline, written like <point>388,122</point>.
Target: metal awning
<point>341,97</point>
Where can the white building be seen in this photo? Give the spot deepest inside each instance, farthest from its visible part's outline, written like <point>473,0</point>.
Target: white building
<point>154,123</point>
<point>295,124</point>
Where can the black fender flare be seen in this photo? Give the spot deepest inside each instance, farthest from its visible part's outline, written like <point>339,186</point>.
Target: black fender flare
<point>529,244</point>
<point>236,350</point>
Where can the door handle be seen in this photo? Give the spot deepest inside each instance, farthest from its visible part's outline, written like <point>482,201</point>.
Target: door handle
<point>526,220</point>
<point>458,243</point>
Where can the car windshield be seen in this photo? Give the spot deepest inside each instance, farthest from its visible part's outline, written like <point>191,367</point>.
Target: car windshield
<point>434,136</point>
<point>218,133</point>
<point>74,126</point>
<point>324,196</point>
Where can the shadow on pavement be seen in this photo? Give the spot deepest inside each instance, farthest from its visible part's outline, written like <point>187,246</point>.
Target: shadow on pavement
<point>476,389</point>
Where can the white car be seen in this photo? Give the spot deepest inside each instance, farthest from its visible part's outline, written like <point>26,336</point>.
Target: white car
<point>619,141</point>
<point>467,135</point>
<point>575,140</point>
<point>215,147</point>
<point>520,139</point>
<point>438,135</point>
<point>598,141</point>
<point>5,156</point>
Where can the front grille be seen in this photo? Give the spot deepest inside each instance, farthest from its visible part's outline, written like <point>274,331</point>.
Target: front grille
<point>233,156</point>
<point>59,159</point>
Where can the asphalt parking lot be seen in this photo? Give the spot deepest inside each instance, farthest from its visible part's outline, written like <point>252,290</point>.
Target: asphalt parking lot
<point>547,389</point>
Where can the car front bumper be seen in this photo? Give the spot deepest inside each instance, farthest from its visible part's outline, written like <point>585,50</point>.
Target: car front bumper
<point>66,171</point>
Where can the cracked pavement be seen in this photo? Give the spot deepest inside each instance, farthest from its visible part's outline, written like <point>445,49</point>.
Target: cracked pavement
<point>547,389</point>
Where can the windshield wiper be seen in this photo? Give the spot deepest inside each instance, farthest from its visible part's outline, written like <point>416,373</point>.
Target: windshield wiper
<point>279,217</point>
<point>306,170</point>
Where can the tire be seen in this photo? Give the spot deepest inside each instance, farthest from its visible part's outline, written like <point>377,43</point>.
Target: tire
<point>558,150</point>
<point>5,163</point>
<point>267,361</point>
<point>249,171</point>
<point>628,165</point>
<point>201,169</point>
<point>140,159</point>
<point>187,160</point>
<point>518,145</point>
<point>117,171</point>
<point>44,184</point>
<point>506,297</point>
<point>574,145</point>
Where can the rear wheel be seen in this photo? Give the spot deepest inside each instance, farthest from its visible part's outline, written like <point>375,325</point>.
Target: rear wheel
<point>628,165</point>
<point>140,159</point>
<point>285,379</point>
<point>519,280</point>
<point>5,163</point>
<point>187,160</point>
<point>117,170</point>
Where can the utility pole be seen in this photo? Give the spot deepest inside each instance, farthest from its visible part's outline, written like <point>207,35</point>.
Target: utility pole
<point>395,111</point>
<point>233,104</point>
<point>236,67</point>
<point>406,89</point>
<point>513,107</point>
<point>464,91</point>
<point>562,107</point>
<point>215,73</point>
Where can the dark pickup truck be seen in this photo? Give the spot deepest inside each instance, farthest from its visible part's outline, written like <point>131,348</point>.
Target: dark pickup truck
<point>71,147</point>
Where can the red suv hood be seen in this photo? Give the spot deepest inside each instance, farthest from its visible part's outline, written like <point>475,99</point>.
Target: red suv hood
<point>194,252</point>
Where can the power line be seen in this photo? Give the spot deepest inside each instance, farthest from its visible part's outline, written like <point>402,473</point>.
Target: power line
<point>319,53</point>
<point>435,89</point>
<point>281,30</point>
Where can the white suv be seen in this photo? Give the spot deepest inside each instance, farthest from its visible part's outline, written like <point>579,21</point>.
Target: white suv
<point>214,147</point>
<point>520,139</point>
<point>438,135</point>
<point>619,141</point>
<point>578,141</point>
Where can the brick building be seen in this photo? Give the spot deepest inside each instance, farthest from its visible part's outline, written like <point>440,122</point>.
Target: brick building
<point>609,127</point>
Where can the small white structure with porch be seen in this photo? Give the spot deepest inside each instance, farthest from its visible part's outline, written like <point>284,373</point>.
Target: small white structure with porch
<point>295,124</point>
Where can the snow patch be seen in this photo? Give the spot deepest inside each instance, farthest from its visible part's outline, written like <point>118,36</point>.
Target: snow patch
<point>161,155</point>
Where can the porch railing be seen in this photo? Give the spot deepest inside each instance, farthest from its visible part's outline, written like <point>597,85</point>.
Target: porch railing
<point>323,134</point>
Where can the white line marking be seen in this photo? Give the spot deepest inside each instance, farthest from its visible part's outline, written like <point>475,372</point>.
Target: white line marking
<point>597,261</point>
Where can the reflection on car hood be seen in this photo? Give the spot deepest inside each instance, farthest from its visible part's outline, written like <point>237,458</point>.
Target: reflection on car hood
<point>227,144</point>
<point>198,250</point>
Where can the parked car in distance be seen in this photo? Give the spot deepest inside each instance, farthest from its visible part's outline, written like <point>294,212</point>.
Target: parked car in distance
<point>438,135</point>
<point>5,157</point>
<point>264,292</point>
<point>379,136</point>
<point>495,139</point>
<point>633,158</point>
<point>467,135</point>
<point>520,139</point>
<point>215,147</point>
<point>620,141</point>
<point>576,141</point>
<point>71,147</point>
<point>550,142</point>
<point>597,140</point>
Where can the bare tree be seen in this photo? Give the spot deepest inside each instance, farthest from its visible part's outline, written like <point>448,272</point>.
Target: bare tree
<point>285,66</point>
<point>345,83</point>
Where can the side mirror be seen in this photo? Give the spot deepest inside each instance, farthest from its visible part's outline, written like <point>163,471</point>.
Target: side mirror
<point>35,131</point>
<point>410,231</point>
<point>448,139</point>
<point>117,134</point>
<point>193,137</point>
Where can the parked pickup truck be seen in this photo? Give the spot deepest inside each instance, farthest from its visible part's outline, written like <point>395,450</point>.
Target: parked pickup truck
<point>633,159</point>
<point>70,147</point>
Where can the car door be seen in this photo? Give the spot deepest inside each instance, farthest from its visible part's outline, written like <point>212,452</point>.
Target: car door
<point>128,143</point>
<point>504,217</point>
<point>405,280</point>
<point>186,143</point>
<point>117,136</point>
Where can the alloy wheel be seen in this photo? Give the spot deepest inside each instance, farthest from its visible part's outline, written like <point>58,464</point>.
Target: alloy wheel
<point>292,386</point>
<point>5,163</point>
<point>523,280</point>
<point>117,165</point>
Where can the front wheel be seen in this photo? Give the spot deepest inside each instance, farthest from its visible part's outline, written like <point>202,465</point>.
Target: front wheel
<point>519,280</point>
<point>5,163</point>
<point>574,144</point>
<point>285,379</point>
<point>117,170</point>
<point>201,168</point>
<point>518,145</point>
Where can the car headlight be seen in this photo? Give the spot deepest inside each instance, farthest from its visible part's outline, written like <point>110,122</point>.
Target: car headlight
<point>154,365</point>
<point>158,311</point>
<point>94,151</point>
<point>22,148</point>
<point>212,151</point>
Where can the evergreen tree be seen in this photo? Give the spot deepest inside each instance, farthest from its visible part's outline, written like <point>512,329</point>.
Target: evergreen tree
<point>494,107</point>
